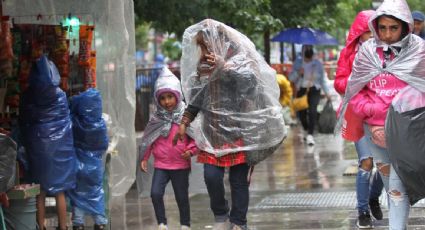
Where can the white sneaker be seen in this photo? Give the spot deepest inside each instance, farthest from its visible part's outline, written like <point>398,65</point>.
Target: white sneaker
<point>184,227</point>
<point>310,140</point>
<point>221,225</point>
<point>162,226</point>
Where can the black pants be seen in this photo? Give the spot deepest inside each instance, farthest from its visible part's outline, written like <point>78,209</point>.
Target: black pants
<point>308,117</point>
<point>180,181</point>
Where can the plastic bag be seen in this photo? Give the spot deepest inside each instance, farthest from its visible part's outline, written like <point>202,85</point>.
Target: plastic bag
<point>91,143</point>
<point>7,163</point>
<point>327,119</point>
<point>47,131</point>
<point>406,147</point>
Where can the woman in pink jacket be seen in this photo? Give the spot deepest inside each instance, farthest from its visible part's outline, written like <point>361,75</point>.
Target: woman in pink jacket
<point>383,66</point>
<point>171,162</point>
<point>367,190</point>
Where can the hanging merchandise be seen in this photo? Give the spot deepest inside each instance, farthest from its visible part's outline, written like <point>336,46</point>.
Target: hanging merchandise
<point>52,29</point>
<point>6,51</point>
<point>86,37</point>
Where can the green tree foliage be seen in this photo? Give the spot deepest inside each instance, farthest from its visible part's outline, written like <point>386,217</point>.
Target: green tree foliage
<point>249,16</point>
<point>172,48</point>
<point>141,33</point>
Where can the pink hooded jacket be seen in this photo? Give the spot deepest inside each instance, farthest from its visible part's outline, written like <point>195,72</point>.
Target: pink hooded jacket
<point>347,55</point>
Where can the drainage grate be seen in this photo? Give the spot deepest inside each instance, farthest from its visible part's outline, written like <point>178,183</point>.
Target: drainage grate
<point>317,200</point>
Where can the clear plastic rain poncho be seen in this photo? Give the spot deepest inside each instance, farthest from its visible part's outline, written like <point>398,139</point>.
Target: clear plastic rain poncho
<point>238,99</point>
<point>408,64</point>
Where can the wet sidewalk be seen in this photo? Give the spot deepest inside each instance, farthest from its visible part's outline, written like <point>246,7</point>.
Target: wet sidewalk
<point>298,187</point>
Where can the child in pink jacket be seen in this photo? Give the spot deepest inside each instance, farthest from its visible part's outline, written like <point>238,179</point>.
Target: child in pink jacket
<point>171,162</point>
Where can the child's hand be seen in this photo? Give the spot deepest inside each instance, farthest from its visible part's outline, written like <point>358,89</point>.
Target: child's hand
<point>144,166</point>
<point>186,155</point>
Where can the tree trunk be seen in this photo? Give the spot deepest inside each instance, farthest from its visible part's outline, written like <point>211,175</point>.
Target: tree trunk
<point>266,37</point>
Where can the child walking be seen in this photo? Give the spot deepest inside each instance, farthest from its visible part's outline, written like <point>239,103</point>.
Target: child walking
<point>170,162</point>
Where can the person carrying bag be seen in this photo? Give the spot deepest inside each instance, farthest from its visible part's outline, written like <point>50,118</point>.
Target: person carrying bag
<point>309,77</point>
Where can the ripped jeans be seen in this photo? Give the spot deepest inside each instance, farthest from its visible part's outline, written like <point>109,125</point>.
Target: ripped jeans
<point>398,201</point>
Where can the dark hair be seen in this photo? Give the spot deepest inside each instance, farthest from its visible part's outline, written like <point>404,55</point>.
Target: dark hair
<point>308,53</point>
<point>404,25</point>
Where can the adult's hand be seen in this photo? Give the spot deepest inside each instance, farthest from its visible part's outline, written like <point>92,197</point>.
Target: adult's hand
<point>180,134</point>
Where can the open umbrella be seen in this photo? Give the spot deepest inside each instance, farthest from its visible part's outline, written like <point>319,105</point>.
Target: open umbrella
<point>305,36</point>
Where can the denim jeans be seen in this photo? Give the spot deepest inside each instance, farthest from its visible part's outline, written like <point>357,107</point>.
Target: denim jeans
<point>239,186</point>
<point>399,206</point>
<point>180,182</point>
<point>78,217</point>
<point>366,187</point>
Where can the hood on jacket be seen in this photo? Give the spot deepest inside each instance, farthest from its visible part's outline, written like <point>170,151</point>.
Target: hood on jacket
<point>396,8</point>
<point>167,82</point>
<point>359,26</point>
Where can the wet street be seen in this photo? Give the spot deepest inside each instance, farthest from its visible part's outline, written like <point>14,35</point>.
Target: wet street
<point>298,187</point>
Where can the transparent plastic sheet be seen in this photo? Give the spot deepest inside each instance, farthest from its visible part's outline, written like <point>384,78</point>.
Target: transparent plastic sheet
<point>408,99</point>
<point>238,101</point>
<point>7,163</point>
<point>115,71</point>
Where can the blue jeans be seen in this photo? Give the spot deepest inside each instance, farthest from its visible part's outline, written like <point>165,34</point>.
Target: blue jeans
<point>180,181</point>
<point>366,187</point>
<point>399,206</point>
<point>78,217</point>
<point>239,186</point>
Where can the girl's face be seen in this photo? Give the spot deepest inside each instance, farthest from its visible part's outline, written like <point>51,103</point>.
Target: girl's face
<point>365,36</point>
<point>389,30</point>
<point>168,101</point>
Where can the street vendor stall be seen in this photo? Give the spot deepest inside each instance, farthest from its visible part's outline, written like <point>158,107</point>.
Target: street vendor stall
<point>91,44</point>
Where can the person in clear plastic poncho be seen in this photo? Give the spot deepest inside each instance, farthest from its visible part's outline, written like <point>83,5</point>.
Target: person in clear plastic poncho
<point>384,66</point>
<point>233,94</point>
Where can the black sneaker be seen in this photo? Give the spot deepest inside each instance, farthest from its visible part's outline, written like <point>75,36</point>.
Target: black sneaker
<point>364,221</point>
<point>375,209</point>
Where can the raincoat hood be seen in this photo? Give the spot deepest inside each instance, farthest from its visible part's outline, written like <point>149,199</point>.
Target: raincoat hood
<point>398,9</point>
<point>167,82</point>
<point>359,27</point>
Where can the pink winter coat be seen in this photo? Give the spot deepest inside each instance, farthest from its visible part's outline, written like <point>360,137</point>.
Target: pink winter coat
<point>372,103</point>
<point>167,156</point>
<point>353,128</point>
<point>347,55</point>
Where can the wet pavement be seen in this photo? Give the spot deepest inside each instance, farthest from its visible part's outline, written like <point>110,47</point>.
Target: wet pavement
<point>298,187</point>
